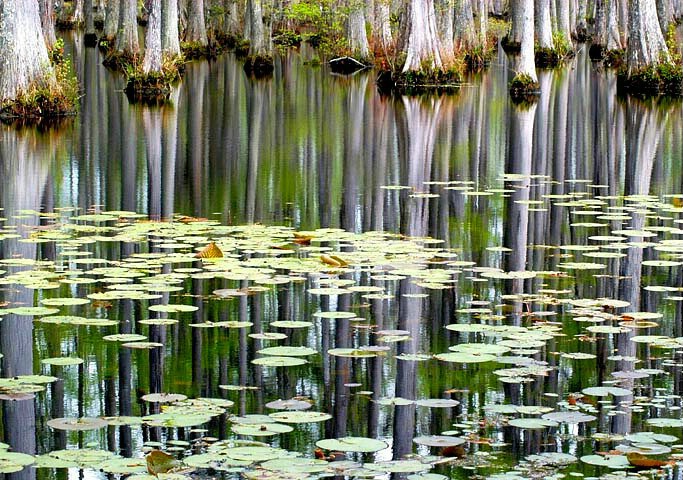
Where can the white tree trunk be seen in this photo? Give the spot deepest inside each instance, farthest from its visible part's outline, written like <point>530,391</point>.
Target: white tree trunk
<point>152,60</point>
<point>358,39</point>
<point>89,13</point>
<point>23,53</point>
<point>581,28</point>
<point>562,21</point>
<point>258,44</point>
<point>482,21</point>
<point>232,18</point>
<point>422,46</point>
<point>381,29</point>
<point>606,25</point>
<point>613,36</point>
<point>544,32</point>
<point>127,35</point>
<point>524,18</point>
<point>665,12</point>
<point>646,45</point>
<point>111,20</point>
<point>170,38</point>
<point>196,26</point>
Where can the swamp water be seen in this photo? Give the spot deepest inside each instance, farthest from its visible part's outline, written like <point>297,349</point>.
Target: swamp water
<point>413,276</point>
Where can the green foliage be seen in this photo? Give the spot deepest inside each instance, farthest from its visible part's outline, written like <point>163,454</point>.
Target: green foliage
<point>661,78</point>
<point>56,52</point>
<point>324,22</point>
<point>196,50</point>
<point>287,38</point>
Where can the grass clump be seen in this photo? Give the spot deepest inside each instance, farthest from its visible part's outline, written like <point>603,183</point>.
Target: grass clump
<point>50,98</point>
<point>197,50</point>
<point>524,89</point>
<point>287,38</point>
<point>153,87</point>
<point>664,78</point>
<point>259,65</point>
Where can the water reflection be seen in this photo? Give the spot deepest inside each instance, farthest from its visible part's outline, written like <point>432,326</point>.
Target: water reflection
<point>313,150</point>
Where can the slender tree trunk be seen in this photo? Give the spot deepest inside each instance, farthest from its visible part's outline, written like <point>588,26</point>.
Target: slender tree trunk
<point>465,32</point>
<point>170,38</point>
<point>23,52</point>
<point>90,36</point>
<point>444,24</point>
<point>665,13</point>
<point>77,14</point>
<point>196,26</point>
<point>581,28</point>
<point>523,18</point>
<point>482,22</point>
<point>544,33</point>
<point>646,45</point>
<point>422,45</point>
<point>606,34</point>
<point>47,21</point>
<point>127,36</point>
<point>562,18</point>
<point>232,18</point>
<point>258,43</point>
<point>381,29</point>
<point>111,20</point>
<point>355,29</point>
<point>152,60</point>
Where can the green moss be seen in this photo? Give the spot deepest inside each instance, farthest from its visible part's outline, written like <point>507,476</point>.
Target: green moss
<point>614,58</point>
<point>47,99</point>
<point>524,89</point>
<point>119,60</point>
<point>259,65</point>
<point>56,52</point>
<point>242,48</point>
<point>420,81</point>
<point>665,78</point>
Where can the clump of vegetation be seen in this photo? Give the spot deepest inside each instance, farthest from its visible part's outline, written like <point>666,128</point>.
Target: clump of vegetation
<point>425,79</point>
<point>242,48</point>
<point>287,38</point>
<point>509,46</point>
<point>524,89</point>
<point>553,57</point>
<point>52,97</point>
<point>117,60</point>
<point>259,65</point>
<point>56,52</point>
<point>614,58</point>
<point>153,86</point>
<point>661,78</point>
<point>197,50</point>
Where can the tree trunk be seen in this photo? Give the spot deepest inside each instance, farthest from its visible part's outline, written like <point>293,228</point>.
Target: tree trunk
<point>613,36</point>
<point>23,53</point>
<point>444,24</point>
<point>111,20</point>
<point>355,30</point>
<point>665,13</point>
<point>232,18</point>
<point>196,26</point>
<point>258,44</point>
<point>89,19</point>
<point>646,44</point>
<point>606,33</point>
<point>152,60</point>
<point>422,45</point>
<point>47,21</point>
<point>127,35</point>
<point>465,33</point>
<point>170,38</point>
<point>523,19</point>
<point>544,33</point>
<point>482,22</point>
<point>581,28</point>
<point>562,21</point>
<point>381,29</point>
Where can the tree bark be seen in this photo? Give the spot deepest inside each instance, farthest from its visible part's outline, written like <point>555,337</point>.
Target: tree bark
<point>646,45</point>
<point>544,33</point>
<point>89,13</point>
<point>606,25</point>
<point>562,19</point>
<point>232,18</point>
<point>443,10</point>
<point>111,20</point>
<point>523,18</point>
<point>127,37</point>
<point>381,29</point>
<point>47,21</point>
<point>581,28</point>
<point>152,60</point>
<point>482,22</point>
<point>665,13</point>
<point>196,26</point>
<point>465,33</point>
<point>170,38</point>
<point>258,44</point>
<point>422,45</point>
<point>23,52</point>
<point>355,30</point>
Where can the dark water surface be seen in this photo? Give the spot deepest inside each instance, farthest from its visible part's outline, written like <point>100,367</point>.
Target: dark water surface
<point>309,150</point>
